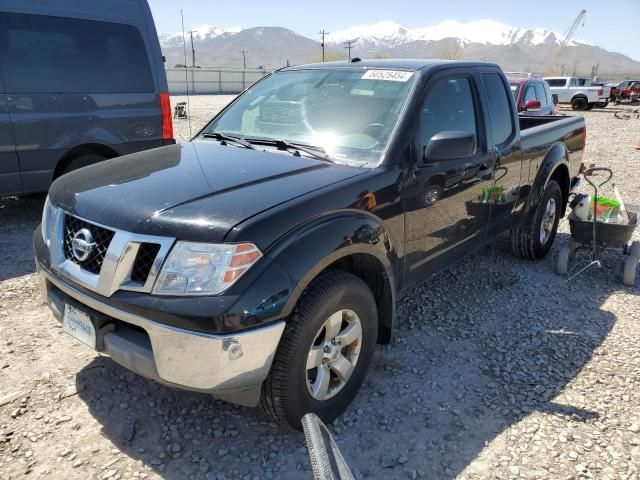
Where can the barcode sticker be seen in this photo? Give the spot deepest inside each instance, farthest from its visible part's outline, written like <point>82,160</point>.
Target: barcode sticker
<point>389,75</point>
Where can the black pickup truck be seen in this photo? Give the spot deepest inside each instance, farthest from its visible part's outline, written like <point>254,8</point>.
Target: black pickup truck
<point>261,261</point>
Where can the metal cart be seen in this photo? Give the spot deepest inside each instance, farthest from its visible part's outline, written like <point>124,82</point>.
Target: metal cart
<point>600,237</point>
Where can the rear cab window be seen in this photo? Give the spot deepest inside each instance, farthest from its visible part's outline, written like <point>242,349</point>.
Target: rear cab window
<point>499,108</point>
<point>47,54</point>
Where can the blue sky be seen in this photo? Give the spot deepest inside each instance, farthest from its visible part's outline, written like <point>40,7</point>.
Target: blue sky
<point>611,24</point>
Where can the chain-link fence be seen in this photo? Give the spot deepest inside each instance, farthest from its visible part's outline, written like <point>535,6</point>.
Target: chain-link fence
<point>211,80</point>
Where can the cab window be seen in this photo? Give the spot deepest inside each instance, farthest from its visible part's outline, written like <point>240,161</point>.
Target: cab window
<point>449,106</point>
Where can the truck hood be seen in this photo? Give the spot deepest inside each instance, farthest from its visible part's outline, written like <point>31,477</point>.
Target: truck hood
<point>196,190</point>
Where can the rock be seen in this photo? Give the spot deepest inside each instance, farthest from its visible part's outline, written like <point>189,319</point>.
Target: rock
<point>635,427</point>
<point>109,473</point>
<point>514,470</point>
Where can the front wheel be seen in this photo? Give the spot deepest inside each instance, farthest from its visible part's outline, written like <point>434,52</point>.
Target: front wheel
<point>534,240</point>
<point>325,351</point>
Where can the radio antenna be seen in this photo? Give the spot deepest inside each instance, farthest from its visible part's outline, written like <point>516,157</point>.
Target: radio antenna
<point>186,73</point>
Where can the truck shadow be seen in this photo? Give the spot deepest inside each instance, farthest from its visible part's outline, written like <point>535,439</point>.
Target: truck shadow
<point>19,217</point>
<point>473,356</point>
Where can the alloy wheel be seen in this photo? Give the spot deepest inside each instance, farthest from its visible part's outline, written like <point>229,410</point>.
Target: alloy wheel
<point>334,354</point>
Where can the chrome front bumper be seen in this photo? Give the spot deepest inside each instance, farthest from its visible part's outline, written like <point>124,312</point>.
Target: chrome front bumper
<point>227,366</point>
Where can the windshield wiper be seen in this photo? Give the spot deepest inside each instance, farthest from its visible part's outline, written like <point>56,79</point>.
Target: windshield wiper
<point>313,151</point>
<point>223,138</point>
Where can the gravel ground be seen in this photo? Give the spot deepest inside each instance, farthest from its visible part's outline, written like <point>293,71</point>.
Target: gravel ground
<point>499,369</point>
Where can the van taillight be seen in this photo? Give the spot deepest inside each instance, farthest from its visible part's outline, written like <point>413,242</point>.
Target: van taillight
<point>167,122</point>
<point>600,91</point>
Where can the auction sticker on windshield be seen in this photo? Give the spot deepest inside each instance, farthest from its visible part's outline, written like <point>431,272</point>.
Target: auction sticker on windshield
<point>79,325</point>
<point>389,75</point>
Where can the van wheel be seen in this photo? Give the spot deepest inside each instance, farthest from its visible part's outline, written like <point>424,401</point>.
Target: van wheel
<point>325,351</point>
<point>534,240</point>
<point>79,162</point>
<point>579,103</point>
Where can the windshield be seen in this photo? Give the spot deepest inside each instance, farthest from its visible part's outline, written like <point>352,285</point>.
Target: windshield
<point>515,88</point>
<point>350,114</point>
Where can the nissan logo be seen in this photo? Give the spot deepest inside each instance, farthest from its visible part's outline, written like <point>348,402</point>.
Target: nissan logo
<point>82,244</point>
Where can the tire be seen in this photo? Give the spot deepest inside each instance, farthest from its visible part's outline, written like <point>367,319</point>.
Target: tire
<point>634,251</point>
<point>79,162</point>
<point>579,103</point>
<point>629,271</point>
<point>527,241</point>
<point>562,265</point>
<point>288,391</point>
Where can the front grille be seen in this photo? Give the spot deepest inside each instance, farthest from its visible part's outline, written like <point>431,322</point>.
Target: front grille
<point>144,261</point>
<point>101,237</point>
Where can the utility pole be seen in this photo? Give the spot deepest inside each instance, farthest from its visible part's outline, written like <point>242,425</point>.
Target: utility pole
<point>193,51</point>
<point>348,45</point>
<point>323,33</point>
<point>244,69</point>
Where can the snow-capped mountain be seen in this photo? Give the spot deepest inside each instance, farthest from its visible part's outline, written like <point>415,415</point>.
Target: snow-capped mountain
<point>204,32</point>
<point>510,47</point>
<point>485,32</point>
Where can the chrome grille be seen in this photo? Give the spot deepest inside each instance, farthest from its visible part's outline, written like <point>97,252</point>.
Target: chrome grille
<point>147,254</point>
<point>101,236</point>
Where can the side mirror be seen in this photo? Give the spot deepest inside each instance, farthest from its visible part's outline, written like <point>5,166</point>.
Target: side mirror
<point>555,98</point>
<point>532,105</point>
<point>449,145</point>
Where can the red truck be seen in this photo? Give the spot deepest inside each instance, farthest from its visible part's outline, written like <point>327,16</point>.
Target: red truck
<point>627,89</point>
<point>532,96</point>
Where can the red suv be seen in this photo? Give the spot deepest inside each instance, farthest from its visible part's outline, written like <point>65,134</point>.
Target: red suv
<point>532,96</point>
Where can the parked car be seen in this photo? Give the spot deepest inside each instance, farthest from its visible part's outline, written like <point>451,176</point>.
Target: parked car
<point>80,82</point>
<point>628,92</point>
<point>578,92</point>
<point>261,261</point>
<point>532,96</point>
<point>616,88</point>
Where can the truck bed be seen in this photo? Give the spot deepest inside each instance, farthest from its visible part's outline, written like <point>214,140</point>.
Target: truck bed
<point>539,133</point>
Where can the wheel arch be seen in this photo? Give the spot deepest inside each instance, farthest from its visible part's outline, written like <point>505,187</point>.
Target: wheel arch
<point>555,166</point>
<point>353,242</point>
<point>78,151</point>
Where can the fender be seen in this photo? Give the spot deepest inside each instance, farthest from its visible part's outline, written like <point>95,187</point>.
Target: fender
<point>556,157</point>
<point>315,245</point>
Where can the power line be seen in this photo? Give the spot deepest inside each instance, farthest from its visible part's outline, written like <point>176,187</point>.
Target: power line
<point>323,33</point>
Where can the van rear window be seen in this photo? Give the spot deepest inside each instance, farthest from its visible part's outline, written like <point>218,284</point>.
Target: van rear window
<point>45,54</point>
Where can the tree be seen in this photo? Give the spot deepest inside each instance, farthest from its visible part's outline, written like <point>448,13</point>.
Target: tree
<point>451,52</point>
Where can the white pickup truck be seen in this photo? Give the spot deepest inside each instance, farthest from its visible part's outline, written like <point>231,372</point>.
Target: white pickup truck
<point>579,92</point>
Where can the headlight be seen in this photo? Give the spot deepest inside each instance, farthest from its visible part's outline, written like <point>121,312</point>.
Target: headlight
<point>204,268</point>
<point>45,225</point>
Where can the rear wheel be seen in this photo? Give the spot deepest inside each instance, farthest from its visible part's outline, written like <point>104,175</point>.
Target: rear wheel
<point>81,161</point>
<point>579,103</point>
<point>325,351</point>
<point>534,240</point>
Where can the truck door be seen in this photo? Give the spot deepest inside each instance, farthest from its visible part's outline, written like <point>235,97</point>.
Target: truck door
<point>9,167</point>
<point>505,153</point>
<point>445,212</point>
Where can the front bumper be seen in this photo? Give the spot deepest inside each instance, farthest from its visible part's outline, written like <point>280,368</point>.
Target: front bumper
<point>229,366</point>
